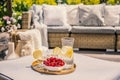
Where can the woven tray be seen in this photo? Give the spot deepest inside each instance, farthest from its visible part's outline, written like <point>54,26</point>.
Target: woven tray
<point>43,70</point>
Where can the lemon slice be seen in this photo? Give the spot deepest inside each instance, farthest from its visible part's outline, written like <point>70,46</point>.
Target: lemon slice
<point>37,54</point>
<point>67,51</point>
<point>57,51</point>
<point>37,62</point>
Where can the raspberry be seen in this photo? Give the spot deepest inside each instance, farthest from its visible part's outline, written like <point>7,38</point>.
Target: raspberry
<point>54,62</point>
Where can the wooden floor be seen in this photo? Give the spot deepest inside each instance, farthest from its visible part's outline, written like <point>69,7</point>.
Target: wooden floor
<point>110,55</point>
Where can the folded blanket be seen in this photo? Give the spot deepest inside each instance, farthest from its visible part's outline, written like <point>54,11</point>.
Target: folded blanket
<point>43,31</point>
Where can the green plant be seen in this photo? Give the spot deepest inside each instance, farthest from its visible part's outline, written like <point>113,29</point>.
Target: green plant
<point>111,2</point>
<point>73,1</point>
<point>10,23</point>
<point>90,2</point>
<point>21,5</point>
<point>38,2</point>
<point>51,2</point>
<point>3,8</point>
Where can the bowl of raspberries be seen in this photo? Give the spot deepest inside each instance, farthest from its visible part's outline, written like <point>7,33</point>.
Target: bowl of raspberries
<point>53,64</point>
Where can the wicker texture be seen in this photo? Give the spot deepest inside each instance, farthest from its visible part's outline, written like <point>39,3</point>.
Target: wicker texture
<point>54,39</point>
<point>83,40</point>
<point>26,20</point>
<point>118,42</point>
<point>93,29</point>
<point>94,41</point>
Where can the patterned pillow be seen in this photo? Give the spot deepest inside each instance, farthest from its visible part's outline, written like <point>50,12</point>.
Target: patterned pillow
<point>91,15</point>
<point>54,15</point>
<point>112,15</point>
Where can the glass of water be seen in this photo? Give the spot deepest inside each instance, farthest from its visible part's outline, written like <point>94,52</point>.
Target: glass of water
<point>67,49</point>
<point>67,41</point>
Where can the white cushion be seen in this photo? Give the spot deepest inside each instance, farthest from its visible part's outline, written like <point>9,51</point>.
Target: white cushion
<point>55,15</point>
<point>112,15</point>
<point>117,28</point>
<point>72,14</point>
<point>91,15</point>
<point>62,29</point>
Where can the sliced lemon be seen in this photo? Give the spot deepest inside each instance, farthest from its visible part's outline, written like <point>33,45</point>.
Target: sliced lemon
<point>57,50</point>
<point>67,51</point>
<point>37,62</point>
<point>37,54</point>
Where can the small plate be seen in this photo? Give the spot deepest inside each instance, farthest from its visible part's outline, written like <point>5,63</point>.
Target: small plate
<point>39,67</point>
<point>53,68</point>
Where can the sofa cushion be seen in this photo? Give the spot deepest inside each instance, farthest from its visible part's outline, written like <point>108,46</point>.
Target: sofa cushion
<point>112,15</point>
<point>57,29</point>
<point>102,30</point>
<point>117,28</point>
<point>91,15</point>
<point>72,14</point>
<point>55,15</point>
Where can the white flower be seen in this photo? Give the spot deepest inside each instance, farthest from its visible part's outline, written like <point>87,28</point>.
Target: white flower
<point>14,27</point>
<point>19,17</point>
<point>2,29</point>
<point>7,27</point>
<point>18,26</point>
<point>14,14</point>
<point>10,30</point>
<point>8,22</point>
<point>13,20</point>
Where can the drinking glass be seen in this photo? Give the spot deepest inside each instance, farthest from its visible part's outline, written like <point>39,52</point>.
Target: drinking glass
<point>67,49</point>
<point>67,41</point>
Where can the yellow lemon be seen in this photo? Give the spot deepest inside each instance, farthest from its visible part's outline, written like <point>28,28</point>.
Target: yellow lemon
<point>57,50</point>
<point>37,62</point>
<point>37,54</point>
<point>67,51</point>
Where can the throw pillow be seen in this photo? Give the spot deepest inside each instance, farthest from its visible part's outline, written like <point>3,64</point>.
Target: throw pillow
<point>91,15</point>
<point>112,15</point>
<point>72,14</point>
<point>54,15</point>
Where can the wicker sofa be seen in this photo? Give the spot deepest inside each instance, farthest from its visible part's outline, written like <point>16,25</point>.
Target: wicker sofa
<point>92,26</point>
